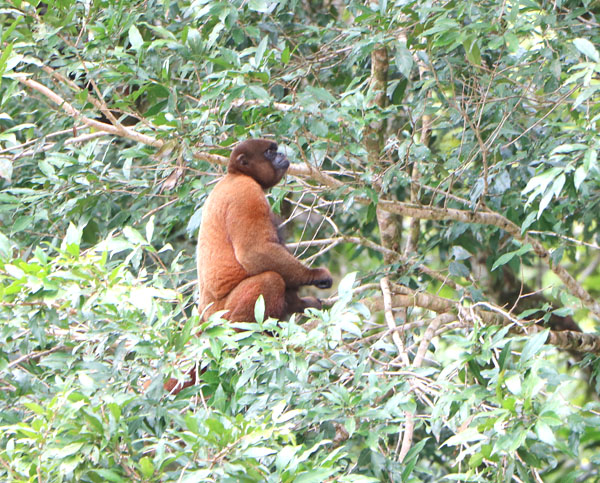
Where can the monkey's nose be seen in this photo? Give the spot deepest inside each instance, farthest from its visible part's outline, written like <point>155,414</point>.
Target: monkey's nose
<point>282,163</point>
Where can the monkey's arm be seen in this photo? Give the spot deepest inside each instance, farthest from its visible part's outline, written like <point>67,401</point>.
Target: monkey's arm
<point>256,245</point>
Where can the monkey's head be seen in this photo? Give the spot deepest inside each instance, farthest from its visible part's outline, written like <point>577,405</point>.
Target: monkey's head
<point>259,159</point>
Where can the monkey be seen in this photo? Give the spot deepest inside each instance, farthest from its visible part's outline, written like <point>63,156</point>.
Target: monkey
<point>239,253</point>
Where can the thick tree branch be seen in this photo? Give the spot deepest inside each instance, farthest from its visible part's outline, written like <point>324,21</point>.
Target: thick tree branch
<point>389,224</point>
<point>414,229</point>
<point>568,340</point>
<point>495,219</point>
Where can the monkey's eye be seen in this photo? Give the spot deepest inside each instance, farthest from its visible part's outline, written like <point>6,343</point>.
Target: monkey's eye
<point>271,153</point>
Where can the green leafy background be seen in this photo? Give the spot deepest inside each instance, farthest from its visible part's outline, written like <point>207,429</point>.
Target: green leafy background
<point>494,104</point>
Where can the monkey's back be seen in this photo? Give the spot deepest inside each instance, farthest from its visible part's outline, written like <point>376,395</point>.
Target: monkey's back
<point>235,200</point>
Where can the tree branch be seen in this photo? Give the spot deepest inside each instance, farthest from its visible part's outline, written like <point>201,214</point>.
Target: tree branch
<point>101,126</point>
<point>495,219</point>
<point>566,339</point>
<point>400,208</point>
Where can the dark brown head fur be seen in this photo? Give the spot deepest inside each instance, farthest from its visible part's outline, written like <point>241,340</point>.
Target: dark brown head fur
<point>259,159</point>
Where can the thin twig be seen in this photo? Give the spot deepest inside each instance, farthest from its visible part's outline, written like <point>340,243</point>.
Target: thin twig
<point>33,356</point>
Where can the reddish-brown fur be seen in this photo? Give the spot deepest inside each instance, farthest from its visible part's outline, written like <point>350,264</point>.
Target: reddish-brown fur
<point>239,255</point>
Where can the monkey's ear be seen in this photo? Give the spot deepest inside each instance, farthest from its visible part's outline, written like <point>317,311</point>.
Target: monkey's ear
<point>242,160</point>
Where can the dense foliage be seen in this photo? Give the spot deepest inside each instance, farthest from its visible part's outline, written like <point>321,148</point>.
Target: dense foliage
<point>446,172</point>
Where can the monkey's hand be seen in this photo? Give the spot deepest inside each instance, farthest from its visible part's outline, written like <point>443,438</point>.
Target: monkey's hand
<point>321,278</point>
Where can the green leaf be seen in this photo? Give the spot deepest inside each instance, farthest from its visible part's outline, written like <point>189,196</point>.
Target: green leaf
<point>514,384</point>
<point>133,236</point>
<point>545,433</point>
<point>259,452</point>
<point>580,175</point>
<point>196,476</point>
<point>507,257</point>
<point>22,223</point>
<point>135,38</point>
<point>8,31</point>
<point>350,327</point>
<point>6,169</point>
<point>475,460</point>
<point>531,217</point>
<point>14,271</point>
<point>146,466</point>
<point>587,93</point>
<point>260,50</point>
<point>512,41</point>
<point>184,335</point>
<point>194,222</point>
<point>469,435</point>
<point>259,93</point>
<point>263,6</point>
<point>46,168</point>
<point>115,410</point>
<point>563,312</point>
<point>5,247</point>
<point>442,25</point>
<point>215,34</point>
<point>320,94</point>
<point>72,240</point>
<point>534,345</point>
<point>5,54</point>
<point>472,50</point>
<point>504,355</point>
<point>411,459</point>
<point>404,60</point>
<point>110,475</point>
<point>459,253</point>
<point>259,309</point>
<point>285,55</point>
<point>345,287</point>
<point>86,381</point>
<point>36,408</point>
<point>150,229</point>
<point>587,48</point>
<point>567,148</point>
<point>315,476</point>
<point>554,191</point>
<point>66,450</point>
<point>539,183</point>
<point>458,269</point>
<point>589,159</point>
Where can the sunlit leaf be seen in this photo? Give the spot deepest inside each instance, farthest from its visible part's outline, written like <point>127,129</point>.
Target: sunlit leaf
<point>135,38</point>
<point>587,48</point>
<point>469,435</point>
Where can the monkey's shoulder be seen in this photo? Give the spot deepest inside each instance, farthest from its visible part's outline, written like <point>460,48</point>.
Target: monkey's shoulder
<point>237,191</point>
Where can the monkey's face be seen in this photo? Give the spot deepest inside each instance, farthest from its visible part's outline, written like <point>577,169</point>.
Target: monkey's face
<point>278,161</point>
<point>259,159</point>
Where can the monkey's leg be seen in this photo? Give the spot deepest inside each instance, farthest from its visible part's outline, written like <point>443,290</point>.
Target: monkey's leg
<point>241,300</point>
<point>296,304</point>
<point>240,303</point>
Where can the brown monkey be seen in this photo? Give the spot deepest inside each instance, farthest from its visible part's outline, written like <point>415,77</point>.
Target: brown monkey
<point>240,255</point>
<point>239,252</point>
